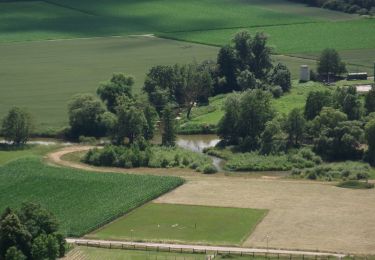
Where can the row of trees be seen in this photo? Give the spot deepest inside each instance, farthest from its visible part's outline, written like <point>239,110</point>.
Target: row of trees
<point>30,233</point>
<point>349,6</point>
<point>334,123</point>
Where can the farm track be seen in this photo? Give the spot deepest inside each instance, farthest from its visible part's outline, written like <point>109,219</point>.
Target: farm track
<point>303,215</point>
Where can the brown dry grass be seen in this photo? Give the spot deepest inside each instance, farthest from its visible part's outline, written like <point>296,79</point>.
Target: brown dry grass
<point>303,215</point>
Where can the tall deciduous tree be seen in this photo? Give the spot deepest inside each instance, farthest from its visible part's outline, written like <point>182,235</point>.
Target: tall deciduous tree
<point>17,126</point>
<point>315,101</point>
<point>85,116</point>
<point>370,138</point>
<point>117,86</point>
<point>169,127</point>
<point>330,64</point>
<point>295,127</point>
<point>228,125</point>
<point>370,101</point>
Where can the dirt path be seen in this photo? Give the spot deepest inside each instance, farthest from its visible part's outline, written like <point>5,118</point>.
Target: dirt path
<point>199,248</point>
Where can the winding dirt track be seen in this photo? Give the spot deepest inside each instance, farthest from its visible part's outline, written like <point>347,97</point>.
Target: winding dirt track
<point>303,215</point>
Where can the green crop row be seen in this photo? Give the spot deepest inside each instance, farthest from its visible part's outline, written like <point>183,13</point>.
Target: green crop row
<point>82,201</point>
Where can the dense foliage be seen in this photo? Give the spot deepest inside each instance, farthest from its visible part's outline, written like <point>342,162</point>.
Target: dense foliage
<point>96,198</point>
<point>330,65</point>
<point>17,126</point>
<point>146,156</point>
<point>245,118</point>
<point>30,233</point>
<point>349,6</point>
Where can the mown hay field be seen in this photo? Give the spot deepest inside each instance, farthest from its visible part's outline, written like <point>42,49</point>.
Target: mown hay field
<point>81,201</point>
<point>183,223</point>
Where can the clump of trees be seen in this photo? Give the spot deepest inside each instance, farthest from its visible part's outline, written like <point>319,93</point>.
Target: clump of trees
<point>361,7</point>
<point>247,64</point>
<point>30,233</point>
<point>17,126</point>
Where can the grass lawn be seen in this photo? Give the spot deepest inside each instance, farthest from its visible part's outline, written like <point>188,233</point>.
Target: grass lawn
<point>119,254</point>
<point>8,153</point>
<point>184,223</point>
<point>43,76</point>
<point>82,201</point>
<point>56,19</point>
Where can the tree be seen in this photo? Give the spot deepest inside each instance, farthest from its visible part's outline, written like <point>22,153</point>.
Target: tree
<point>295,127</point>
<point>262,61</point>
<point>13,234</point>
<point>227,69</point>
<point>347,100</point>
<point>37,220</point>
<point>370,139</point>
<point>255,111</point>
<point>151,118</point>
<point>85,116</point>
<point>330,64</point>
<point>117,86</point>
<point>14,254</point>
<point>370,101</point>
<point>17,126</point>
<point>281,76</point>
<point>198,84</point>
<point>341,142</point>
<point>246,80</point>
<point>31,232</point>
<point>131,121</point>
<point>228,125</point>
<point>315,101</point>
<point>169,127</point>
<point>273,138</point>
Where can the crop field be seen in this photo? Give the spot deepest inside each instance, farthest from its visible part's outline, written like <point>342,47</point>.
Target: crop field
<point>303,215</point>
<point>298,38</point>
<point>43,76</point>
<point>184,223</point>
<point>56,19</point>
<point>119,254</point>
<point>80,200</point>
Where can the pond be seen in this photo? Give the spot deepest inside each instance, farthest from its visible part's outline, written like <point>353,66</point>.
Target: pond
<point>197,143</point>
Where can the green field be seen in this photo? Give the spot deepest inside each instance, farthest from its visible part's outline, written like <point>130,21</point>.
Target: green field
<point>82,201</point>
<point>56,19</point>
<point>43,76</point>
<point>183,223</point>
<point>298,38</point>
<point>8,153</point>
<point>119,254</point>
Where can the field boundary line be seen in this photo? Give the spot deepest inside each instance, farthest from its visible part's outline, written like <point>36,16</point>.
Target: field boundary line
<point>69,8</point>
<point>194,248</point>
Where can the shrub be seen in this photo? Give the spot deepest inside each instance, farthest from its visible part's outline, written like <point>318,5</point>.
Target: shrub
<point>209,169</point>
<point>87,140</point>
<point>355,185</point>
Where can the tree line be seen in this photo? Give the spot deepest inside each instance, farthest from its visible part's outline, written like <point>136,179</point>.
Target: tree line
<point>362,7</point>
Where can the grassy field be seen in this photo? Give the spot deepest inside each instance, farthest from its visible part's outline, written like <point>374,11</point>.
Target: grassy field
<point>56,19</point>
<point>8,154</point>
<point>43,76</point>
<point>183,223</point>
<point>298,38</point>
<point>119,254</point>
<point>81,201</point>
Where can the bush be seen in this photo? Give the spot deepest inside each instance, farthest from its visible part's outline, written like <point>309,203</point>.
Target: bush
<point>146,156</point>
<point>355,185</point>
<point>87,140</point>
<point>209,169</point>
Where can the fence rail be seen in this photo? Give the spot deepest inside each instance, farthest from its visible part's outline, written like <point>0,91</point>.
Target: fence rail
<point>212,252</point>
